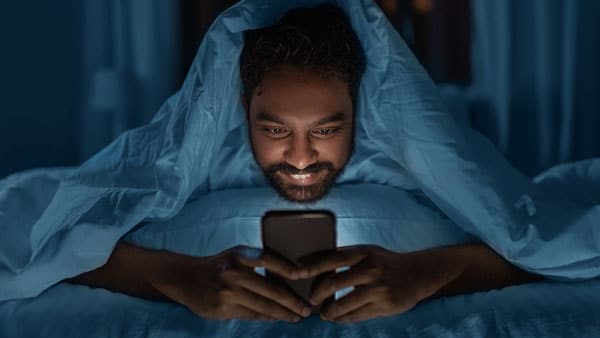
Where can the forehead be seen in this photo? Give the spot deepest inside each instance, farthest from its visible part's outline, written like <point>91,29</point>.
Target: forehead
<point>293,95</point>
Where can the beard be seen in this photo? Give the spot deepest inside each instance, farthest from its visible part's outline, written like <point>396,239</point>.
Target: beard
<point>298,193</point>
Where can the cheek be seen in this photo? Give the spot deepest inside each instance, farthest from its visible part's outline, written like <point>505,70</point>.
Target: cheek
<point>266,151</point>
<point>336,151</point>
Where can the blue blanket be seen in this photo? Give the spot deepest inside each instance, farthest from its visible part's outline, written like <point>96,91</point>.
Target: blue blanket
<point>393,218</point>
<point>547,309</point>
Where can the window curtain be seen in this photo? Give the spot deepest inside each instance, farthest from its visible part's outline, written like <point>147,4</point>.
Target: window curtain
<point>131,64</point>
<point>536,75</point>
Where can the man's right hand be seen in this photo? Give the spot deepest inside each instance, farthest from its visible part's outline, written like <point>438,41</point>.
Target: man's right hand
<point>226,286</point>
<point>223,286</point>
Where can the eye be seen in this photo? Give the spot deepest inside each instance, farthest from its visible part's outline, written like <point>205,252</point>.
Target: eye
<point>325,132</point>
<point>276,131</point>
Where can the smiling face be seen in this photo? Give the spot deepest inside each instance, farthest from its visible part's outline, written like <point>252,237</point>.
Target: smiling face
<point>301,131</point>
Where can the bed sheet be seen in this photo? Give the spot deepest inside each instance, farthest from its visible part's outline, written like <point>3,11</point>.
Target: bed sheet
<point>543,309</point>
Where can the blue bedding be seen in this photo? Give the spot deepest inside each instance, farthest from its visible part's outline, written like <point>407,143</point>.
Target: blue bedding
<point>544,309</point>
<point>393,218</point>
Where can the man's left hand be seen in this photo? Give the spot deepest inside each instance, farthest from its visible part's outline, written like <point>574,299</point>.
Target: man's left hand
<point>385,282</point>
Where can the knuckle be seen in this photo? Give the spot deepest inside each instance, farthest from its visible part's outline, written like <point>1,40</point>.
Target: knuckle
<point>268,262</point>
<point>341,258</point>
<point>331,285</point>
<point>311,270</point>
<point>227,274</point>
<point>375,272</point>
<point>380,288</point>
<point>276,313</point>
<point>289,270</point>
<point>386,306</point>
<point>387,294</point>
<point>222,310</point>
<point>224,296</point>
<point>299,306</point>
<point>293,302</point>
<point>382,291</point>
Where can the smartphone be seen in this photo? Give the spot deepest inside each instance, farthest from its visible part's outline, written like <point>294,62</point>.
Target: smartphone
<point>294,234</point>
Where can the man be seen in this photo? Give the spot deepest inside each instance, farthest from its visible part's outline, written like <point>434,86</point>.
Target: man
<point>301,78</point>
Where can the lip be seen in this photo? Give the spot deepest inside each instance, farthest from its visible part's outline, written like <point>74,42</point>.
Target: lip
<point>302,182</point>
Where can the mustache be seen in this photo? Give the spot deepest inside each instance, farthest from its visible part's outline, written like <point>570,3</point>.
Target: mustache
<point>291,170</point>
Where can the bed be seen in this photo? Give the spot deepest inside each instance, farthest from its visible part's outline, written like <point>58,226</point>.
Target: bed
<point>541,309</point>
<point>544,309</point>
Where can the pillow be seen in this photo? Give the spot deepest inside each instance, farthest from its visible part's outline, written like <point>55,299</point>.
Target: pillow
<point>365,214</point>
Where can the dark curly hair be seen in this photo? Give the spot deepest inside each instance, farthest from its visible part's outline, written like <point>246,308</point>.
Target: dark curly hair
<point>316,39</point>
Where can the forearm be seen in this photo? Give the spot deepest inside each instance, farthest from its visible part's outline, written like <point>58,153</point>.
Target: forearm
<point>475,267</point>
<point>129,270</point>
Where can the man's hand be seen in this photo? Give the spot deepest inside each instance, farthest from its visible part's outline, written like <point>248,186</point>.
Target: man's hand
<point>384,282</point>
<point>387,283</point>
<point>224,286</point>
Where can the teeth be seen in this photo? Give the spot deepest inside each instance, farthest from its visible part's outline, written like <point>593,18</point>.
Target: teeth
<point>300,177</point>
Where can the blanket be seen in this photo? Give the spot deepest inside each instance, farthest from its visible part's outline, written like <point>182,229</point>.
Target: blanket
<point>391,217</point>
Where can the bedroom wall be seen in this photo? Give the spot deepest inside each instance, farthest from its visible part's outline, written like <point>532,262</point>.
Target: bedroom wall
<point>75,74</point>
<point>40,84</point>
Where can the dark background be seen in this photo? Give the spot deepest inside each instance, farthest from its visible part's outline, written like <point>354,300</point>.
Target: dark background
<point>49,59</point>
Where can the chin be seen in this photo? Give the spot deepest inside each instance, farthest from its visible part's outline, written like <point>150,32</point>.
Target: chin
<point>301,194</point>
<point>300,197</point>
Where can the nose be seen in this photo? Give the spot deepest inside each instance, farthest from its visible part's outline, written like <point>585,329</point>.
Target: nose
<point>301,152</point>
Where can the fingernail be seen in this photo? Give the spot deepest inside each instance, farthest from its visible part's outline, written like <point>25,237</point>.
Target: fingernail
<point>306,311</point>
<point>313,301</point>
<point>296,319</point>
<point>303,274</point>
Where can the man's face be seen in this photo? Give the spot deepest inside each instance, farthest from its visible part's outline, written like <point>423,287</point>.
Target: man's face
<point>301,131</point>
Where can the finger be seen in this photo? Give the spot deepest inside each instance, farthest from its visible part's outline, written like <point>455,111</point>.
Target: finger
<point>330,261</point>
<point>277,293</point>
<point>264,306</point>
<point>368,311</point>
<point>242,312</point>
<point>353,301</point>
<point>271,262</point>
<point>331,284</point>
<point>248,252</point>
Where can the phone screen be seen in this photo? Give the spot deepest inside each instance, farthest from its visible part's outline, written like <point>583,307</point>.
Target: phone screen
<point>294,234</point>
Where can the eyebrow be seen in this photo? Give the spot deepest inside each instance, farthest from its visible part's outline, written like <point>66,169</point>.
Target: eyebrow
<point>264,116</point>
<point>333,118</point>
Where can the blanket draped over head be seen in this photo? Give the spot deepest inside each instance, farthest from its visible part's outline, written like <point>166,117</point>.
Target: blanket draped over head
<point>56,224</point>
